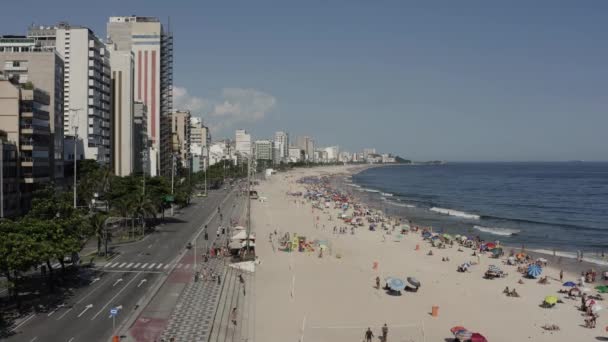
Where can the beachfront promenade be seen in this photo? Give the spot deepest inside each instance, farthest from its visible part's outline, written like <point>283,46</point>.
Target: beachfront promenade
<point>303,297</point>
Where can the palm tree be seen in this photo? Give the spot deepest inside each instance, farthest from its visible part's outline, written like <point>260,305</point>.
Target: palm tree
<point>97,221</point>
<point>142,207</point>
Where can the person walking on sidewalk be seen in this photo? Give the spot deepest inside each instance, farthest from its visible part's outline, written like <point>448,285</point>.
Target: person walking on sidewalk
<point>242,281</point>
<point>233,316</point>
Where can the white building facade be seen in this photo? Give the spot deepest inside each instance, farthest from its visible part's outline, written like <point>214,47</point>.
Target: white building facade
<point>243,143</point>
<point>86,86</point>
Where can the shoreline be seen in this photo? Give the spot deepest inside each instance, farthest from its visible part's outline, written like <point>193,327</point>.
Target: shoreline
<point>591,256</point>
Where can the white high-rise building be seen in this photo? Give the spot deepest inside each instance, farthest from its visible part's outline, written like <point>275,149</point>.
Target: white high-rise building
<point>243,142</point>
<point>123,144</point>
<point>152,48</point>
<point>86,86</point>
<point>281,142</point>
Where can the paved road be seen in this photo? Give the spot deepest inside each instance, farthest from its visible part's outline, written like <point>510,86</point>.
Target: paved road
<point>123,281</point>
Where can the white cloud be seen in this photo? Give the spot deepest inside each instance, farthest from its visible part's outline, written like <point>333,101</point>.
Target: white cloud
<point>233,107</point>
<point>183,100</point>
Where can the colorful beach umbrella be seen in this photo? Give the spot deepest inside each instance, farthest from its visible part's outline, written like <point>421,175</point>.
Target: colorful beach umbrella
<point>569,284</point>
<point>551,300</point>
<point>448,237</point>
<point>490,245</point>
<point>395,284</point>
<point>602,288</point>
<point>477,337</point>
<point>463,335</point>
<point>426,234</point>
<point>520,256</point>
<point>534,271</point>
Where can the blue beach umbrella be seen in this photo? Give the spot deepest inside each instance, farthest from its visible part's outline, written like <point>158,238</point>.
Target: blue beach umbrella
<point>534,270</point>
<point>426,234</point>
<point>569,284</point>
<point>395,284</point>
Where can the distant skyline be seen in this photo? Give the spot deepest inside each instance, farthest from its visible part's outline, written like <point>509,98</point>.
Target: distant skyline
<point>474,81</point>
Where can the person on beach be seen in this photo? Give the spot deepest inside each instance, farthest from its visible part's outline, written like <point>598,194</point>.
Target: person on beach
<point>384,333</point>
<point>369,335</point>
<point>378,282</point>
<point>561,275</point>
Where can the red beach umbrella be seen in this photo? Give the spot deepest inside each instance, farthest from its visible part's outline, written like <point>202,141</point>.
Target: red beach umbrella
<point>457,328</point>
<point>490,245</point>
<point>477,337</point>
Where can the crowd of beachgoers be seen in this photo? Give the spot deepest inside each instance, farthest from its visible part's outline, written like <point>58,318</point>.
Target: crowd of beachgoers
<point>347,215</point>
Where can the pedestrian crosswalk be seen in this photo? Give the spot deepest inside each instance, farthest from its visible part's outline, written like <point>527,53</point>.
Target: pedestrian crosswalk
<point>145,266</point>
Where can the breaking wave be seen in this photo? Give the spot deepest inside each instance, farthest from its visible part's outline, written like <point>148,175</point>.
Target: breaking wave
<point>456,213</point>
<point>497,231</point>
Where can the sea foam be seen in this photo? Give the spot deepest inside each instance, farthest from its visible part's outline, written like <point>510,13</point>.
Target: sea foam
<point>386,194</point>
<point>456,213</point>
<point>497,231</point>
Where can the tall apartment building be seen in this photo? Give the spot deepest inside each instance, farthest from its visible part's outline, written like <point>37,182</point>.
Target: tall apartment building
<point>140,139</point>
<point>9,201</point>
<point>86,86</point>
<point>264,150</point>
<point>152,47</point>
<point>281,142</point>
<point>307,144</point>
<point>200,139</point>
<point>121,64</point>
<point>243,143</point>
<point>24,117</point>
<point>180,127</point>
<point>28,61</point>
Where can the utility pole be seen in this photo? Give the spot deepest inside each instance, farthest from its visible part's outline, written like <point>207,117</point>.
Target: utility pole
<point>145,160</point>
<point>172,178</point>
<point>75,125</point>
<point>206,169</point>
<point>248,205</point>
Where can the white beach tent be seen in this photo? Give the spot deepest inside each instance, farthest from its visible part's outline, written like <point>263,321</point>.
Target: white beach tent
<point>242,235</point>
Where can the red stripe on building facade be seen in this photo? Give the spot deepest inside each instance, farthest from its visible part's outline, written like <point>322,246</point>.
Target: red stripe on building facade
<point>153,94</point>
<point>139,75</point>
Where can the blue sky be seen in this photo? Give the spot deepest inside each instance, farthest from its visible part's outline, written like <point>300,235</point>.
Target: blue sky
<point>466,80</point>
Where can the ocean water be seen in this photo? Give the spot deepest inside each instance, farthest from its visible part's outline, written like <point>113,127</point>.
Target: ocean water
<point>547,206</point>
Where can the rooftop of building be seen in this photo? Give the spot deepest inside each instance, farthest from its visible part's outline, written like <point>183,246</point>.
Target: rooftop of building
<point>134,18</point>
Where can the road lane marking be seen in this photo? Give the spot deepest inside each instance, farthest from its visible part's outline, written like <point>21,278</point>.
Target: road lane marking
<point>151,265</point>
<point>149,246</point>
<point>95,289</point>
<point>122,265</point>
<point>129,265</point>
<point>86,308</point>
<point>166,266</point>
<point>144,265</point>
<point>23,322</point>
<point>117,294</point>
<point>141,282</point>
<point>137,265</point>
<point>117,281</point>
<point>179,265</point>
<point>65,313</point>
<point>187,266</point>
<point>70,340</point>
<point>114,264</point>
<point>56,265</point>
<point>159,266</point>
<point>34,339</point>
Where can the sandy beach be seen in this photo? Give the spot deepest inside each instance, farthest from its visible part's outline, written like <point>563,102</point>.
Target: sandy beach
<point>303,297</point>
